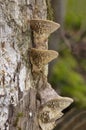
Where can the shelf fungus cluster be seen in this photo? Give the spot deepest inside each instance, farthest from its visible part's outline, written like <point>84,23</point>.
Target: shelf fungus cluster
<point>52,104</point>
<point>41,31</point>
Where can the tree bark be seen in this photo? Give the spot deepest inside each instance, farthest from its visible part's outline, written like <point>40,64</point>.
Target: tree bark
<point>15,69</point>
<point>27,100</point>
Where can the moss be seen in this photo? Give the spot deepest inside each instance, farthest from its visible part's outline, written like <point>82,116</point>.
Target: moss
<point>20,114</point>
<point>50,12</point>
<point>17,119</point>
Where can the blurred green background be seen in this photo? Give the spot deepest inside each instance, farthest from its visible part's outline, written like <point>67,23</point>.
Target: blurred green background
<point>69,70</point>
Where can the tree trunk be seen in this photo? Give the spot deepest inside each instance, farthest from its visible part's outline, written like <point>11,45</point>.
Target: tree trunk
<point>27,100</point>
<point>15,39</point>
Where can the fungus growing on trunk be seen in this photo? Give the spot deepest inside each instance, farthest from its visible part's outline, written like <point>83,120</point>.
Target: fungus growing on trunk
<point>52,104</point>
<point>41,31</point>
<point>39,58</point>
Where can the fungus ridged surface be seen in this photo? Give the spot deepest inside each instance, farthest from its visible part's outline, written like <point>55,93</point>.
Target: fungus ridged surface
<point>43,26</point>
<point>52,104</point>
<point>39,57</point>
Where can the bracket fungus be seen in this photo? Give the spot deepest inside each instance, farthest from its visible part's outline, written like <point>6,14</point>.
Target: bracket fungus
<point>41,31</point>
<point>52,104</point>
<point>47,126</point>
<point>43,26</point>
<point>39,58</point>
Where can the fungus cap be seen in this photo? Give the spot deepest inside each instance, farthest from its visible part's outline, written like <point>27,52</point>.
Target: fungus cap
<point>41,57</point>
<point>43,26</point>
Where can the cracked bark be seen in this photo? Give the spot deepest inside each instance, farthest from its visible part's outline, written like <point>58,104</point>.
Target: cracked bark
<point>16,80</point>
<point>27,100</point>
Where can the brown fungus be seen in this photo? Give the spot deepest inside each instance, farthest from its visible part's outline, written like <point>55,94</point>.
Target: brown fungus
<point>52,104</point>
<point>39,58</point>
<point>43,26</point>
<point>47,126</point>
<point>41,31</point>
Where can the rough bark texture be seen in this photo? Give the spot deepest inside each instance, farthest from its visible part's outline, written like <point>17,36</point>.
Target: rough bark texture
<point>27,100</point>
<point>15,39</point>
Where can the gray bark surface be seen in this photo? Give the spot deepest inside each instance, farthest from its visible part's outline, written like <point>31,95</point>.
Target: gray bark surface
<point>15,39</point>
<point>27,100</point>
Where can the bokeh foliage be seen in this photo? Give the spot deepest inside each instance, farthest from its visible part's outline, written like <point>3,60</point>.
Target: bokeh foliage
<point>75,14</point>
<point>65,75</point>
<point>68,80</point>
